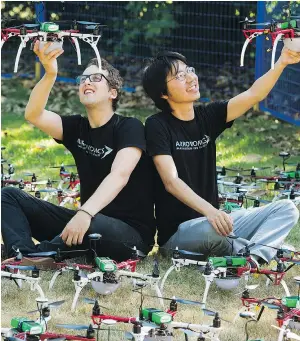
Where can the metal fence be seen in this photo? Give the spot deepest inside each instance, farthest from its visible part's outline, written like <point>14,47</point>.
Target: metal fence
<point>208,33</point>
<point>284,100</point>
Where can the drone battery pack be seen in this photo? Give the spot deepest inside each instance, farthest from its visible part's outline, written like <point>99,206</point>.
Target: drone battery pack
<point>228,261</point>
<point>157,316</point>
<point>105,264</point>
<point>24,325</point>
<point>54,45</point>
<point>291,301</point>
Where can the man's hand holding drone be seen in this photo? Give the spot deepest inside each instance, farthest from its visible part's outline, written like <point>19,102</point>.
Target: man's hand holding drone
<point>289,57</point>
<point>48,60</point>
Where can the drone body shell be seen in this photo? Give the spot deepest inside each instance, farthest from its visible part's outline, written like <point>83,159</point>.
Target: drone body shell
<point>292,43</point>
<point>104,288</point>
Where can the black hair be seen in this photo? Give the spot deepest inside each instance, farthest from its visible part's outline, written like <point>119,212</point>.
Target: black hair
<point>155,75</point>
<point>114,77</point>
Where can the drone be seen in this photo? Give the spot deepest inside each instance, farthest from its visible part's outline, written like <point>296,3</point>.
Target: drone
<point>32,280</point>
<point>288,31</point>
<point>50,32</point>
<point>225,271</point>
<point>107,278</point>
<point>288,307</point>
<point>153,323</point>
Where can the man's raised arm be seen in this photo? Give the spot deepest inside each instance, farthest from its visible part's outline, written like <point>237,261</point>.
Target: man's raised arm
<point>48,121</point>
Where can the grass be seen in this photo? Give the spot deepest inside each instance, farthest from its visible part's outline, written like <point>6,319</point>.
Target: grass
<point>32,151</point>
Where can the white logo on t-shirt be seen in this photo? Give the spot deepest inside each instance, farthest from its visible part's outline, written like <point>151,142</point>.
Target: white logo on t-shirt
<point>99,152</point>
<point>192,145</point>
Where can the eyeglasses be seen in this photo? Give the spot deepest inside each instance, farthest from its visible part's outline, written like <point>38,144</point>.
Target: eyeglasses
<point>181,76</point>
<point>94,77</point>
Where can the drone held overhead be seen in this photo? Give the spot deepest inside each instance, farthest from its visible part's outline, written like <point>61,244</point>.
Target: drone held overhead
<point>50,32</point>
<point>287,30</point>
<point>135,215</point>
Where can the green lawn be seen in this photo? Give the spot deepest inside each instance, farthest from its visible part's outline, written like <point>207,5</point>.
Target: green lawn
<point>29,150</point>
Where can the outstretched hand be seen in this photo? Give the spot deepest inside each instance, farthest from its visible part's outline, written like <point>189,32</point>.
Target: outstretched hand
<point>289,57</point>
<point>48,60</point>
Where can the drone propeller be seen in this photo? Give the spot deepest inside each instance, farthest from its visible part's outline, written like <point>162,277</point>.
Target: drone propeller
<point>27,26</point>
<point>256,168</point>
<point>189,332</point>
<point>62,166</point>
<point>21,267</point>
<point>289,334</point>
<point>30,174</point>
<point>92,301</point>
<point>247,288</point>
<point>50,305</point>
<point>88,23</point>
<point>74,326</point>
<point>270,305</point>
<point>43,254</point>
<point>247,20</point>
<point>189,253</point>
<point>213,313</point>
<point>137,252</point>
<point>178,300</point>
<point>12,338</point>
<point>231,236</point>
<point>129,336</point>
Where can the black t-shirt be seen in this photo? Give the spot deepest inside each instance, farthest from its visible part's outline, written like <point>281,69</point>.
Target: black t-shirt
<point>94,150</point>
<point>192,146</point>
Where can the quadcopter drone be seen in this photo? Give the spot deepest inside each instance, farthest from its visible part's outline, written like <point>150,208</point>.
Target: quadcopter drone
<point>50,32</point>
<point>153,323</point>
<point>32,280</point>
<point>287,31</point>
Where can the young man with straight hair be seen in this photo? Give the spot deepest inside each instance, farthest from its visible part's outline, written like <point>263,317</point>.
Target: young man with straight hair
<point>181,139</point>
<point>115,172</point>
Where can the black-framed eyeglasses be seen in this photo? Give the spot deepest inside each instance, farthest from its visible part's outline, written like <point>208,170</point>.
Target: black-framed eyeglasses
<point>94,77</point>
<point>181,76</point>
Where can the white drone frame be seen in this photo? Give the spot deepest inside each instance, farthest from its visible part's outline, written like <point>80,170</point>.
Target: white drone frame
<point>91,39</point>
<point>83,281</point>
<point>34,285</point>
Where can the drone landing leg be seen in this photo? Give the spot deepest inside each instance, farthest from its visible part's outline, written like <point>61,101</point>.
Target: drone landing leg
<point>165,277</point>
<point>285,287</point>
<point>79,286</point>
<point>247,41</point>
<point>19,281</point>
<point>53,279</point>
<point>36,286</point>
<point>77,50</point>
<point>97,54</point>
<point>274,49</point>
<point>21,46</point>
<point>208,280</point>
<point>158,293</point>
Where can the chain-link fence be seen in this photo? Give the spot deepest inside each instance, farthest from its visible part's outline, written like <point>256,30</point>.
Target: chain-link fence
<point>284,100</point>
<point>208,33</point>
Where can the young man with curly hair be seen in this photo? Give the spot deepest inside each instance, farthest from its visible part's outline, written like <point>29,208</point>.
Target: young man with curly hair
<point>115,173</point>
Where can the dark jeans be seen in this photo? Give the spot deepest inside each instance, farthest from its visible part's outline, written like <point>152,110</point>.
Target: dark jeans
<point>25,217</point>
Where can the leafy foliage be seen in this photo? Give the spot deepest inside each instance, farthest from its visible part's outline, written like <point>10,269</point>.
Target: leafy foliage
<point>147,22</point>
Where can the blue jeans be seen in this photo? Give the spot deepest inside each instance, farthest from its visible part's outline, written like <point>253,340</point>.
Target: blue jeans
<point>25,217</point>
<point>267,225</point>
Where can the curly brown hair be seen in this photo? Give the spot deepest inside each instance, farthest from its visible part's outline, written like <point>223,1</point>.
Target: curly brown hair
<point>114,77</point>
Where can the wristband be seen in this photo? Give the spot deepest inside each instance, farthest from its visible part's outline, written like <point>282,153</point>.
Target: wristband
<point>81,209</point>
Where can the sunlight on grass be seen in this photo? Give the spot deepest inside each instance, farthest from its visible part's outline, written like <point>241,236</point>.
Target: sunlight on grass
<point>32,151</point>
